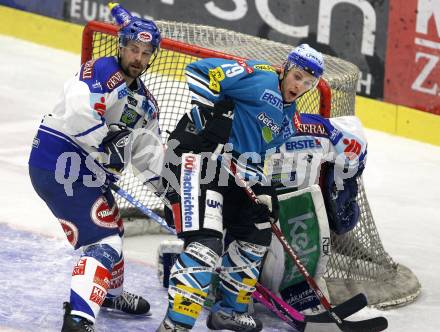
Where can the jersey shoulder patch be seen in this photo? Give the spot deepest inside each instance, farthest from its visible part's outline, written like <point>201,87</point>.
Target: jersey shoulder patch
<point>263,66</point>
<point>102,75</point>
<point>312,124</point>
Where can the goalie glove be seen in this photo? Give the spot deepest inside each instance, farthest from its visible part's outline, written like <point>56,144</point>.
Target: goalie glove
<point>116,145</point>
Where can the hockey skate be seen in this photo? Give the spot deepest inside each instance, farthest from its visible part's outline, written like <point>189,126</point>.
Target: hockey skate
<point>222,318</point>
<point>128,303</point>
<point>75,323</point>
<point>168,326</point>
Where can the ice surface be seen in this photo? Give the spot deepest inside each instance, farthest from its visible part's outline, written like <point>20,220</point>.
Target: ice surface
<point>401,179</point>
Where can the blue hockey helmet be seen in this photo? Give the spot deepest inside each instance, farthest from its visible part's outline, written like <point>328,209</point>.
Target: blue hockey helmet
<point>134,28</point>
<point>141,30</point>
<point>306,58</point>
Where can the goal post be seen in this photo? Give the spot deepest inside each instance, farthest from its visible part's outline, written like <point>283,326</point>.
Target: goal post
<point>359,262</point>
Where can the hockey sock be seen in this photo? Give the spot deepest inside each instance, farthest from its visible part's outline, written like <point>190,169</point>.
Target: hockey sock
<point>91,279</point>
<point>239,274</point>
<point>117,281</point>
<point>190,279</point>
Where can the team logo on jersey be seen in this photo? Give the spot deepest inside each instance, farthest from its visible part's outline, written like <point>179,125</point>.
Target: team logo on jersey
<point>70,230</point>
<point>97,85</point>
<point>269,123</point>
<point>87,70</point>
<point>303,144</point>
<point>129,116</point>
<point>215,77</point>
<point>123,92</point>
<point>266,133</point>
<point>273,99</point>
<point>114,80</point>
<point>144,37</point>
<point>312,129</point>
<point>265,68</point>
<point>100,107</point>
<point>189,191</point>
<point>132,101</point>
<point>104,216</point>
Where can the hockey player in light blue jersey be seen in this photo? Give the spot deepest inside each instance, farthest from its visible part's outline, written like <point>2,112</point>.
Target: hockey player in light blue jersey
<point>103,121</point>
<point>251,106</point>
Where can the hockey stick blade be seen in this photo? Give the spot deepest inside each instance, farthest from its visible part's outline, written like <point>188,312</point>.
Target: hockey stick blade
<point>375,324</point>
<point>347,309</point>
<point>343,310</point>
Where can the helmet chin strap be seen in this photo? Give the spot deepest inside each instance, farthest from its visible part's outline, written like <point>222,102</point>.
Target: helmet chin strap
<point>150,63</point>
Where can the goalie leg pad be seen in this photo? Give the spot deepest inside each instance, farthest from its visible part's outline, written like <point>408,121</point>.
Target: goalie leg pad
<point>190,279</point>
<point>239,274</point>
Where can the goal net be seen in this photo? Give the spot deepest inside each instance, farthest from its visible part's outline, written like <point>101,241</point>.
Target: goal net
<point>359,262</point>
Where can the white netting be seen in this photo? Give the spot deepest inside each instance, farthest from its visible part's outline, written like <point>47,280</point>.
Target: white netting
<point>359,262</point>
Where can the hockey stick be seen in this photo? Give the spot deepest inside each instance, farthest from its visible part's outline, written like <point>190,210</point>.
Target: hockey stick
<point>284,311</point>
<point>264,296</point>
<point>149,213</point>
<point>343,325</point>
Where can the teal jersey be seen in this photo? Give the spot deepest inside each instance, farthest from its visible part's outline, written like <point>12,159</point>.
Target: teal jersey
<point>262,120</point>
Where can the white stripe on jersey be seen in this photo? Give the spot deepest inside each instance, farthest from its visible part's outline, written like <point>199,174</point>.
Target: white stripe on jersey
<point>198,78</point>
<point>201,99</point>
<point>194,81</point>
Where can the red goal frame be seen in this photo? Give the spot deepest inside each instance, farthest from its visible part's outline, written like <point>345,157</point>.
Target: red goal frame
<point>193,50</point>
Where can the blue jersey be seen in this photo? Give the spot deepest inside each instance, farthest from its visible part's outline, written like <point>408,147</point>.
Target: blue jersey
<point>262,120</point>
<point>92,100</point>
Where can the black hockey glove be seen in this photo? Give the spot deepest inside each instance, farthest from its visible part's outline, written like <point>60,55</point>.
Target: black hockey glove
<point>114,146</point>
<point>218,127</point>
<point>267,210</point>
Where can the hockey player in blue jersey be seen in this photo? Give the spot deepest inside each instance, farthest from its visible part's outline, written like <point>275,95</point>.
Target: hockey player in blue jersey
<point>103,120</point>
<point>251,106</point>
